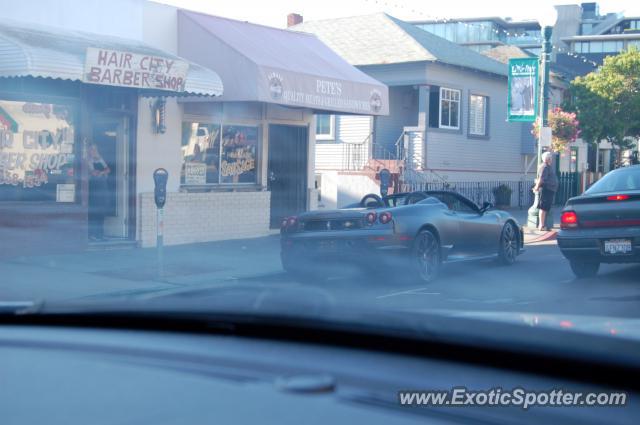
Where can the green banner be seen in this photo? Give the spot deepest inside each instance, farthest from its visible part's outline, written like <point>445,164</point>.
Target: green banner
<point>523,89</point>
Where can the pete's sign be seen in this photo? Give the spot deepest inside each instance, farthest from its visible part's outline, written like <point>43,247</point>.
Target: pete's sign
<point>127,69</point>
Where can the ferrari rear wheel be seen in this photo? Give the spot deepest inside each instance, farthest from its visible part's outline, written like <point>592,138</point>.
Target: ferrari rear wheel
<point>509,243</point>
<point>427,256</point>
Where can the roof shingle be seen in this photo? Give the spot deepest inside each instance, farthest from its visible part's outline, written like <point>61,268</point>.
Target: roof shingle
<point>382,39</point>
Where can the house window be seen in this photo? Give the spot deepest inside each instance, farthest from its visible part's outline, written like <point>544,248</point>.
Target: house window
<point>478,115</point>
<point>449,108</point>
<point>325,127</point>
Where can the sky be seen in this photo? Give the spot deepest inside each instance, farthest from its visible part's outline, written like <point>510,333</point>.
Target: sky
<point>274,12</point>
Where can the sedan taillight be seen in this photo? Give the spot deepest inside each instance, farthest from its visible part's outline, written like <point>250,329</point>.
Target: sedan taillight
<point>617,197</point>
<point>569,220</point>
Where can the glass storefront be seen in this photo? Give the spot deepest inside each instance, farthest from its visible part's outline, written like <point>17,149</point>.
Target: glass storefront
<point>465,32</point>
<point>216,154</point>
<point>37,152</point>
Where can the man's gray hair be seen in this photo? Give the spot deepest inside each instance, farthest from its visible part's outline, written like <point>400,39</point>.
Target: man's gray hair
<point>546,156</point>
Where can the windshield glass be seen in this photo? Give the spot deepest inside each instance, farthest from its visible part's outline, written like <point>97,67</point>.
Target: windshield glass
<point>619,181</point>
<point>337,160</point>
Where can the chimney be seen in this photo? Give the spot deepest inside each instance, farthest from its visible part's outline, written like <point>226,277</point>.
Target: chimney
<point>293,19</point>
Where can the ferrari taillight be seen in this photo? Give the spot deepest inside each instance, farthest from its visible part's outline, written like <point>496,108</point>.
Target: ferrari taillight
<point>371,217</point>
<point>288,222</point>
<point>385,217</point>
<point>569,220</point>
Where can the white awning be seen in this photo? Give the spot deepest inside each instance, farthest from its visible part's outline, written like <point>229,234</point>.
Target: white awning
<point>44,52</point>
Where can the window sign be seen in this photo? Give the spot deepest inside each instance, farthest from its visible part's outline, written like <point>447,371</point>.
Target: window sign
<point>209,158</point>
<point>200,153</point>
<point>36,152</point>
<point>239,150</point>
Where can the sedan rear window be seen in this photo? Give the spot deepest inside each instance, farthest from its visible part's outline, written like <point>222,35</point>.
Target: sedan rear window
<point>620,180</point>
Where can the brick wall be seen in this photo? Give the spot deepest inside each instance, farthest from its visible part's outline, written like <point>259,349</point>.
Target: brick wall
<point>203,217</point>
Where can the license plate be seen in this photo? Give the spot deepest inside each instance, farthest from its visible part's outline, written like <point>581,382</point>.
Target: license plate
<point>617,246</point>
<point>327,246</point>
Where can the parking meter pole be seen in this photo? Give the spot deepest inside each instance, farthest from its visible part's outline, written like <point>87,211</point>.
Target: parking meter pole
<point>160,177</point>
<point>160,242</point>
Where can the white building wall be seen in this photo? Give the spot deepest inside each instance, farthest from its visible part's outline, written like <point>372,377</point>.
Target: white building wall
<point>158,150</point>
<point>355,129</point>
<point>329,156</point>
<point>204,217</point>
<point>160,26</point>
<point>120,18</point>
<point>352,187</point>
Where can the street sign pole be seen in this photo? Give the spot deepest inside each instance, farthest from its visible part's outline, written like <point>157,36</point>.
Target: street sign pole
<point>534,212</point>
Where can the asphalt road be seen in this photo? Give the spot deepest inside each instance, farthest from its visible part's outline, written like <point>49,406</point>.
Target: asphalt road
<point>539,282</point>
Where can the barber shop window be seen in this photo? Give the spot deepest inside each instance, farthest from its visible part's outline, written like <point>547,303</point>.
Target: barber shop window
<point>444,108</point>
<point>325,127</point>
<point>219,154</point>
<point>478,115</point>
<point>37,152</point>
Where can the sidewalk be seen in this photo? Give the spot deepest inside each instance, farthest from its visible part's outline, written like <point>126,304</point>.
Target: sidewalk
<point>56,277</point>
<point>534,235</point>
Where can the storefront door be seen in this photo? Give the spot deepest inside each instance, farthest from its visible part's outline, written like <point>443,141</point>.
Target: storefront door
<point>110,134</point>
<point>287,171</point>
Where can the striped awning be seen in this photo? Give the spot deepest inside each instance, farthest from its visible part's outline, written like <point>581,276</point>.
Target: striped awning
<point>45,52</point>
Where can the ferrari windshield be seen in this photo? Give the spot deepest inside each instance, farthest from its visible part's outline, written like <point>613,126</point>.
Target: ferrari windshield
<point>340,160</point>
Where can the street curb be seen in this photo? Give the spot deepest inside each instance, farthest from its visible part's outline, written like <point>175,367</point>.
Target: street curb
<point>551,235</point>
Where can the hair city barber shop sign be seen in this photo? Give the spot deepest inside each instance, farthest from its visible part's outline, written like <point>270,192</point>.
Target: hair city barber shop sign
<point>127,69</point>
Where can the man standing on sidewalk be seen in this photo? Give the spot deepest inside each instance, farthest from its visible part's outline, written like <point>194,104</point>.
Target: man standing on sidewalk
<point>547,185</point>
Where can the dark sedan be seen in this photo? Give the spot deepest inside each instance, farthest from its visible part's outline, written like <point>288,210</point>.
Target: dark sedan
<point>603,224</point>
<point>410,233</point>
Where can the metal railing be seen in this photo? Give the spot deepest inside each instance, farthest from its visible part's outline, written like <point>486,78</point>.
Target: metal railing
<point>568,187</point>
<point>355,155</point>
<point>479,192</point>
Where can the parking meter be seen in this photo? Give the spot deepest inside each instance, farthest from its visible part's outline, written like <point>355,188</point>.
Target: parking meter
<point>160,177</point>
<point>385,181</point>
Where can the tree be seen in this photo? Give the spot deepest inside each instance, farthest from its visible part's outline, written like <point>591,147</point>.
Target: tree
<point>607,101</point>
<point>564,129</point>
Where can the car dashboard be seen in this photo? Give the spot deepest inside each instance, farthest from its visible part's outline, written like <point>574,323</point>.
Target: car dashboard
<point>67,375</point>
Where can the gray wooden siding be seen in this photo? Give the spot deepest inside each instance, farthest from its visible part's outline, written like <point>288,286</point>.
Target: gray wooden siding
<point>403,112</point>
<point>454,150</point>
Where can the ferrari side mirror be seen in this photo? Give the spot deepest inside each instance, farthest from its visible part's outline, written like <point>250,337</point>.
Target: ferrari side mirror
<point>486,206</point>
